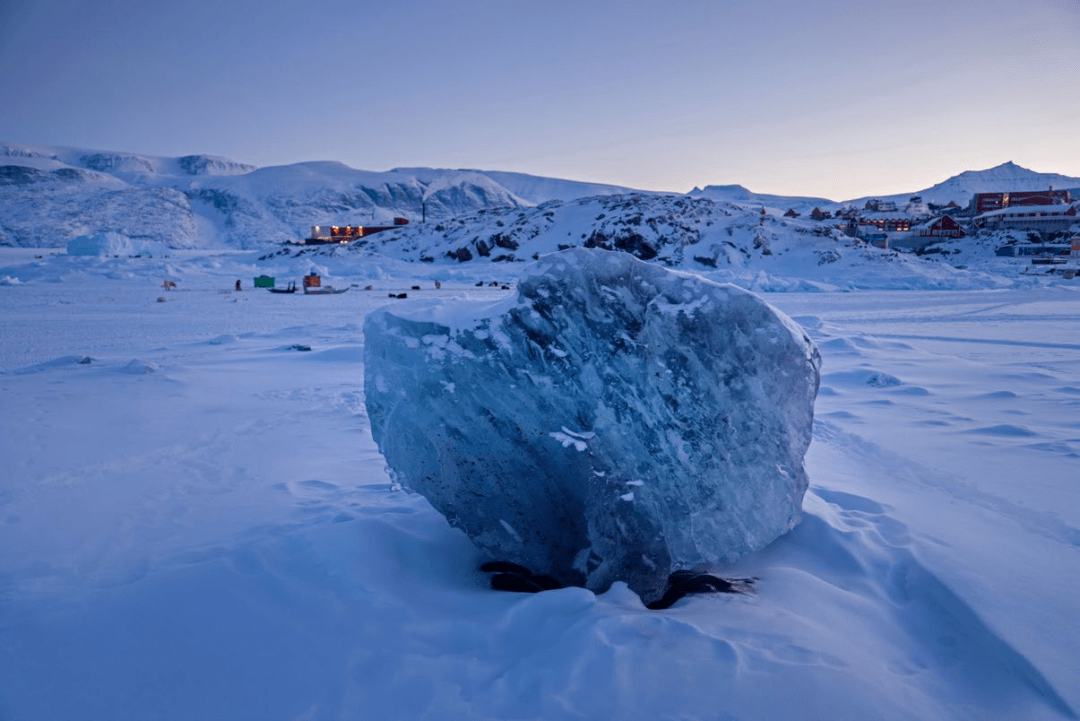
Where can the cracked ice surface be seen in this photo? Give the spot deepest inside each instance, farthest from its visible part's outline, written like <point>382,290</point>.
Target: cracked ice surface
<point>613,421</point>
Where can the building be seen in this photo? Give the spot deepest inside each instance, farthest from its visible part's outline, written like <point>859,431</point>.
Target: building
<point>848,213</point>
<point>880,206</point>
<point>328,234</point>
<point>1045,250</point>
<point>943,227</point>
<point>1041,218</point>
<point>887,223</point>
<point>818,214</point>
<point>791,213</point>
<point>987,202</point>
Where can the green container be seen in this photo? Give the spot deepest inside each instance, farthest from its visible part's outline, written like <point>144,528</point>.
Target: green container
<point>264,281</point>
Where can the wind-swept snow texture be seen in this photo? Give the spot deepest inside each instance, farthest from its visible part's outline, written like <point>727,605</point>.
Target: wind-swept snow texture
<point>195,522</point>
<point>614,422</point>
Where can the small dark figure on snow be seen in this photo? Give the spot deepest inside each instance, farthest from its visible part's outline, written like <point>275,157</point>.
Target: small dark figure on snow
<point>512,577</point>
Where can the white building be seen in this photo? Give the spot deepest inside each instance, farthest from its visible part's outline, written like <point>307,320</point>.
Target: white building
<point>1044,218</point>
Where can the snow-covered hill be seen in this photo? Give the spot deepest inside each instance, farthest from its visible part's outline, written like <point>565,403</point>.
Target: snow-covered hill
<point>727,241</point>
<point>50,194</point>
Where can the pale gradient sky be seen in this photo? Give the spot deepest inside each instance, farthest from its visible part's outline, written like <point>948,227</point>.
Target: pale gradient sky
<point>834,98</point>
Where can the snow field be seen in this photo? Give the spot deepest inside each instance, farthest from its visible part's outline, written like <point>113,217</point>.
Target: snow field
<point>208,531</point>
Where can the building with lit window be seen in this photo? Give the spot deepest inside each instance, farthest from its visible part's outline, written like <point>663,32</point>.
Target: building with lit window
<point>988,202</point>
<point>330,234</point>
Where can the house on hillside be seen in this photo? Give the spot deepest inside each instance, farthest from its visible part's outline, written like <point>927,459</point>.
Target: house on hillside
<point>818,214</point>
<point>987,202</point>
<point>791,213</point>
<point>848,212</point>
<point>330,234</point>
<point>880,206</point>
<point>951,208</point>
<point>943,227</point>
<point>1042,218</point>
<point>887,223</point>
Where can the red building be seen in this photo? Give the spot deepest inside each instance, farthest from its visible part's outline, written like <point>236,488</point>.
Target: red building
<point>986,202</point>
<point>888,223</point>
<point>943,227</point>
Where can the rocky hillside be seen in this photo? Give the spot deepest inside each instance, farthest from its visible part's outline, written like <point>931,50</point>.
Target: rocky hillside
<point>727,241</point>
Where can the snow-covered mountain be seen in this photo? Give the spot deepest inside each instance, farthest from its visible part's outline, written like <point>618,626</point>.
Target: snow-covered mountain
<point>50,194</point>
<point>727,241</point>
<point>961,188</point>
<point>958,189</point>
<point>532,189</point>
<point>739,194</point>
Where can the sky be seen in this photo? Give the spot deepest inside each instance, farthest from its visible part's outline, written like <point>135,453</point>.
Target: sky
<point>836,98</point>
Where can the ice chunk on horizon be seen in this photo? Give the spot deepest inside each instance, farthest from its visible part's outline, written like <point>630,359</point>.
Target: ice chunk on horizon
<point>698,396</point>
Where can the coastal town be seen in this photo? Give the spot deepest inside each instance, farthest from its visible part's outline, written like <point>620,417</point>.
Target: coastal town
<point>1045,220</point>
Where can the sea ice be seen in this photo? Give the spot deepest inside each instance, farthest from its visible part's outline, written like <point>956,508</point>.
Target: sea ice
<point>613,421</point>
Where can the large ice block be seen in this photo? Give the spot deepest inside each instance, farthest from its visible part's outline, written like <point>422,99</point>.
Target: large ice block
<point>613,421</point>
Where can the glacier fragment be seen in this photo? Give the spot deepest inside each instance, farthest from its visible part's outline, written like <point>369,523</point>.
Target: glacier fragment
<point>613,421</point>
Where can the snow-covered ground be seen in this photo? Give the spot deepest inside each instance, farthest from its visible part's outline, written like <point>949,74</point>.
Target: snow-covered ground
<point>196,524</point>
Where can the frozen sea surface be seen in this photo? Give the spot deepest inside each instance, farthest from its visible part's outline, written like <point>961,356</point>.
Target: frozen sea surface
<point>208,532</point>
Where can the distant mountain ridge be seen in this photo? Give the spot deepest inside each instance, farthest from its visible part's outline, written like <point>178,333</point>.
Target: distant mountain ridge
<point>958,189</point>
<point>1001,178</point>
<point>49,195</point>
<point>739,194</point>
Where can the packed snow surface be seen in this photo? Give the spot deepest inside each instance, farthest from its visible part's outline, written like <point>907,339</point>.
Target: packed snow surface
<point>614,421</point>
<point>210,533</point>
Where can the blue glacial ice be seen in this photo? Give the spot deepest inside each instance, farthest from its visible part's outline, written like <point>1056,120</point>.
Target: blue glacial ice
<point>613,421</point>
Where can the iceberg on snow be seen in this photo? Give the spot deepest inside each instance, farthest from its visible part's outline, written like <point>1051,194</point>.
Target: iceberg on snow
<point>613,421</point>
<point>115,244</point>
